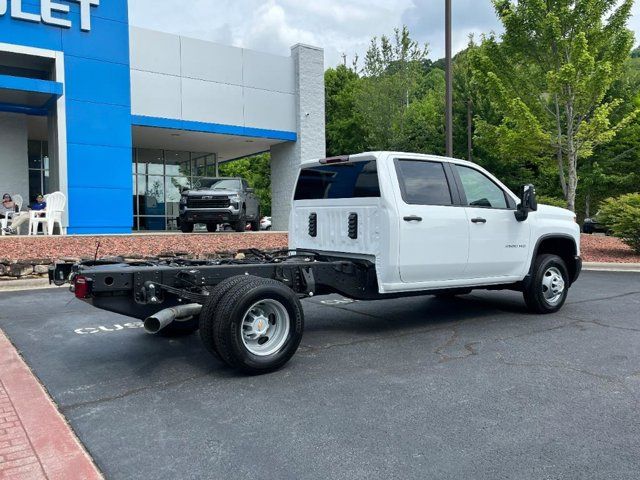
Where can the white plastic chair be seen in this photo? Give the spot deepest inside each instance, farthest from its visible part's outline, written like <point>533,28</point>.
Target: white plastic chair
<point>6,221</point>
<point>56,203</point>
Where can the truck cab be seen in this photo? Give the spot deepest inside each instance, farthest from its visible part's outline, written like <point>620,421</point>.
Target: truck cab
<point>427,222</point>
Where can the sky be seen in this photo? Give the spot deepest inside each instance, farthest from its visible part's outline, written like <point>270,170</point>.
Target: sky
<point>338,26</point>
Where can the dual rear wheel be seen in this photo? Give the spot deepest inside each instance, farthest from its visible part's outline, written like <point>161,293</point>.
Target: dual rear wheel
<point>253,324</point>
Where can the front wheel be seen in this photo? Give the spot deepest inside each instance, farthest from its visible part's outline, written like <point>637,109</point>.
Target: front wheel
<point>257,325</point>
<point>241,224</point>
<point>546,290</point>
<point>186,227</point>
<point>212,227</point>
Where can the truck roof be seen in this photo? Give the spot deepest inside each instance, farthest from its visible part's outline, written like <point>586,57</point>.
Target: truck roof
<point>383,155</point>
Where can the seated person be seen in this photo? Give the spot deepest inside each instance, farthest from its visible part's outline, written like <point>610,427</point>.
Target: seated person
<point>18,219</point>
<point>7,206</point>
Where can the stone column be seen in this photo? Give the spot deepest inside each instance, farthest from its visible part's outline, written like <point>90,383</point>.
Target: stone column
<point>286,157</point>
<point>14,160</point>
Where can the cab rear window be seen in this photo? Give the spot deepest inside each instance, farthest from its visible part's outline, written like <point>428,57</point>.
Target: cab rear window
<point>342,180</point>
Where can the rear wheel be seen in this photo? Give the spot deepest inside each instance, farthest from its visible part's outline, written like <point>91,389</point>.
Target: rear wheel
<point>546,290</point>
<point>255,225</point>
<point>257,325</point>
<point>209,310</point>
<point>186,227</point>
<point>212,227</point>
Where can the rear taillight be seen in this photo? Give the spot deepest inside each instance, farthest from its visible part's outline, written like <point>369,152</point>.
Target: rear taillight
<point>82,286</point>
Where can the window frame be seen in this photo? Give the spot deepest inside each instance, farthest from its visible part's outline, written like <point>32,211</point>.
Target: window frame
<point>511,204</point>
<point>456,200</point>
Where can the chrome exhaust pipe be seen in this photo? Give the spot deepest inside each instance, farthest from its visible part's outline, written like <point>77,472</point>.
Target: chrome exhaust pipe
<point>166,317</point>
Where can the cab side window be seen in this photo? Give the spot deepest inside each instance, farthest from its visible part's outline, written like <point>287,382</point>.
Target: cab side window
<point>480,190</point>
<point>423,183</point>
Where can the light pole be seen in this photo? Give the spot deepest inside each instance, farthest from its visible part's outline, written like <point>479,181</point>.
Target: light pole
<point>449,81</point>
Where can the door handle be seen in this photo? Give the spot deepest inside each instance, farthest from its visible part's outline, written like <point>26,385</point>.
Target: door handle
<point>479,220</point>
<point>413,218</point>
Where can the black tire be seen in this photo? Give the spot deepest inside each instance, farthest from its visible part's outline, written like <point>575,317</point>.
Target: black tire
<point>226,324</point>
<point>209,309</point>
<point>186,227</point>
<point>269,228</point>
<point>587,230</point>
<point>255,226</point>
<point>241,224</point>
<point>534,288</point>
<point>179,329</point>
<point>212,227</point>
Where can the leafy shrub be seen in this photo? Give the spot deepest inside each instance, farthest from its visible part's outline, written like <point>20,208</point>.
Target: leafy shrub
<point>622,215</point>
<point>553,201</point>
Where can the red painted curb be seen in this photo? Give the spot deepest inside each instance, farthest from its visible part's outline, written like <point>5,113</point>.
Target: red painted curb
<point>35,440</point>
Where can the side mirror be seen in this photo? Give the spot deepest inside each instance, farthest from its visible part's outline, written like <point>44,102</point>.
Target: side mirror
<point>528,203</point>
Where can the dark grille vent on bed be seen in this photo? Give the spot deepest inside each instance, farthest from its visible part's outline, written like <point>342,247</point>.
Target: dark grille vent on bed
<point>353,226</point>
<point>313,225</point>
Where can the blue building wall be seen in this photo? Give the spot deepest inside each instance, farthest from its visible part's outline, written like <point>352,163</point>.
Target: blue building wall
<point>98,105</point>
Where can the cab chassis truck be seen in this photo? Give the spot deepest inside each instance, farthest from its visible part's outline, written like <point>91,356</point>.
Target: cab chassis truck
<point>368,227</point>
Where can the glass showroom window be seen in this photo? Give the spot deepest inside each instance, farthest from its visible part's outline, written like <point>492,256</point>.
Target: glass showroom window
<point>159,176</point>
<point>38,169</point>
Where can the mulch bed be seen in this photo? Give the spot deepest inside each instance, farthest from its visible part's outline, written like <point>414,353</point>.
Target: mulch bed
<point>135,246</point>
<point>598,248</point>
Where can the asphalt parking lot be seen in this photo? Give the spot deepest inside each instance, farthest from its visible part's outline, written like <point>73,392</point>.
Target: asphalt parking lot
<point>410,388</point>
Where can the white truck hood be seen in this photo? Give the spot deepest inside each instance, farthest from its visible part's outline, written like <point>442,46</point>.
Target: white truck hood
<point>555,213</point>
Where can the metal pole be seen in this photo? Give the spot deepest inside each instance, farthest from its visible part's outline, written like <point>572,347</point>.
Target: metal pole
<point>449,81</point>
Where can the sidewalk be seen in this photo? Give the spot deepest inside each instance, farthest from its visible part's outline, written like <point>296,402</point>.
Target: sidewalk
<point>35,440</point>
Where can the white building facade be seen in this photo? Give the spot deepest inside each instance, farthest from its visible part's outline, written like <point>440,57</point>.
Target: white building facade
<point>106,113</point>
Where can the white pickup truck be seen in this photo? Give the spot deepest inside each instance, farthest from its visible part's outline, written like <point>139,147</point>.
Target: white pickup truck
<point>369,227</point>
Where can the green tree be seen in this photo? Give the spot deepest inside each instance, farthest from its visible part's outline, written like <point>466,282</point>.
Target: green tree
<point>549,78</point>
<point>256,171</point>
<point>392,79</point>
<point>422,127</point>
<point>344,125</point>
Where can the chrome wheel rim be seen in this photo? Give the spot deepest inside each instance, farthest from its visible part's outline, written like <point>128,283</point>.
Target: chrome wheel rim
<point>553,286</point>
<point>265,327</point>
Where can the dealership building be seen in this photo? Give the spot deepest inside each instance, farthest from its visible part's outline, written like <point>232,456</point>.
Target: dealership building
<point>119,118</point>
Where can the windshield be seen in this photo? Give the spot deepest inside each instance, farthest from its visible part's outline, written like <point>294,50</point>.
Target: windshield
<point>216,184</point>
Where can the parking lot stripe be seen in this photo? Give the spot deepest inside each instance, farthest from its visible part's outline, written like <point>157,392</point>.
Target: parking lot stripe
<point>35,440</point>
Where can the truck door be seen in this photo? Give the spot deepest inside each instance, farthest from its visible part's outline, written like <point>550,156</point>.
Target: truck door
<point>434,231</point>
<point>499,244</point>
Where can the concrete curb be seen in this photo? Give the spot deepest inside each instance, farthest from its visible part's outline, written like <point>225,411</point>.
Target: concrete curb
<point>25,284</point>
<point>611,267</point>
